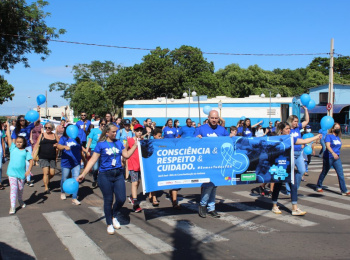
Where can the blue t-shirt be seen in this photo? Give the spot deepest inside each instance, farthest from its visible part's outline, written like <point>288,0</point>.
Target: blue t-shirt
<point>71,158</point>
<point>82,133</point>
<point>295,134</point>
<point>207,131</point>
<point>17,165</point>
<point>187,132</point>
<point>247,132</point>
<point>25,132</point>
<point>323,133</point>
<point>335,143</point>
<point>122,135</point>
<point>109,151</point>
<point>94,136</point>
<point>169,132</point>
<point>240,130</point>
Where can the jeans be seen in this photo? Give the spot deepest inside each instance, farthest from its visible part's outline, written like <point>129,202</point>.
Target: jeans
<point>327,163</point>
<point>95,168</point>
<point>323,144</point>
<point>208,196</point>
<point>112,182</point>
<point>30,150</point>
<point>1,166</point>
<point>65,173</point>
<point>300,164</point>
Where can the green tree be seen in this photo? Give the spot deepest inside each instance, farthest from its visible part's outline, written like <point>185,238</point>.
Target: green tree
<point>23,30</point>
<point>90,97</point>
<point>6,91</point>
<point>341,66</point>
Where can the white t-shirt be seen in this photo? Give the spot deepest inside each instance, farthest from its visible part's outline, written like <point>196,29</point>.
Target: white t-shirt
<point>259,133</point>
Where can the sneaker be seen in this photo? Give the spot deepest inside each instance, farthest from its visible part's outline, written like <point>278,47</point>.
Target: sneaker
<point>345,193</point>
<point>63,196</point>
<point>202,211</point>
<point>276,210</point>
<point>94,184</point>
<point>30,184</point>
<point>319,190</point>
<point>110,230</point>
<point>75,202</point>
<point>261,191</point>
<point>116,223</point>
<point>21,203</point>
<point>214,214</point>
<point>298,212</point>
<point>12,211</point>
<point>137,208</point>
<point>131,200</point>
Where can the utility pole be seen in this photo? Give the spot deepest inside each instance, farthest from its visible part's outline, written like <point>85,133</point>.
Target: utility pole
<point>330,87</point>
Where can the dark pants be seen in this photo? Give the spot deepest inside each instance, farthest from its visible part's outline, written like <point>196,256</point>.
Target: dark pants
<point>112,182</point>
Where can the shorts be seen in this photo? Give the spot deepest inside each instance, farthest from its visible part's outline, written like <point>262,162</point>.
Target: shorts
<point>135,175</point>
<point>47,163</point>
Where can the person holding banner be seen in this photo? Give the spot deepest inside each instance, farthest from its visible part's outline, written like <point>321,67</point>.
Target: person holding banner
<point>208,190</point>
<point>246,129</point>
<point>331,157</point>
<point>169,131</point>
<point>110,178</point>
<point>285,129</point>
<point>295,127</point>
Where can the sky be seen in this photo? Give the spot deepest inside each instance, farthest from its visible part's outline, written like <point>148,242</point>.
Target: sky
<point>221,26</point>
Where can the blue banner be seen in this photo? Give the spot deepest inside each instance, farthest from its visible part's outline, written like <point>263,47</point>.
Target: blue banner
<point>189,162</point>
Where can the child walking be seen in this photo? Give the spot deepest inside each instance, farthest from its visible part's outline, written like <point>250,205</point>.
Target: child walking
<point>16,170</point>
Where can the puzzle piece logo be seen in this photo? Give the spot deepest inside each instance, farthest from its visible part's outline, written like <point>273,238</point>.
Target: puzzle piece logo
<point>282,161</point>
<point>278,172</point>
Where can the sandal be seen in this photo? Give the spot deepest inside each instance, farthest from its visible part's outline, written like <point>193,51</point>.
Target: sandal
<point>176,206</point>
<point>2,187</point>
<point>155,204</point>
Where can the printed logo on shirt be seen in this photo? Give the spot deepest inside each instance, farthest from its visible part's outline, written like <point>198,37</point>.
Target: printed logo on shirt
<point>295,134</point>
<point>169,132</point>
<point>71,144</point>
<point>212,135</point>
<point>22,134</point>
<point>112,150</point>
<point>335,142</point>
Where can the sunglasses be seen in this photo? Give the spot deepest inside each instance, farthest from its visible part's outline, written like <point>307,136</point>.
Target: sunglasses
<point>22,120</point>
<point>47,127</point>
<point>82,115</point>
<point>103,124</point>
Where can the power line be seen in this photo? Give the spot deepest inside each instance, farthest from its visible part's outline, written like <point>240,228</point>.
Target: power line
<point>207,53</point>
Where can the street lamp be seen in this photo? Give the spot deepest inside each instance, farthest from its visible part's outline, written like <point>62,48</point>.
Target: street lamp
<point>263,96</point>
<point>185,95</point>
<point>220,106</point>
<point>160,99</point>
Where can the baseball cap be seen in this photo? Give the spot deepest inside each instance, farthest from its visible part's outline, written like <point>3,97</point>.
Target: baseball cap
<point>137,126</point>
<point>126,122</point>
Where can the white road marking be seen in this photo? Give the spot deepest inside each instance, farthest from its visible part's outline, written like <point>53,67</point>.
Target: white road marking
<point>319,212</point>
<point>14,243</point>
<point>145,242</point>
<point>78,243</point>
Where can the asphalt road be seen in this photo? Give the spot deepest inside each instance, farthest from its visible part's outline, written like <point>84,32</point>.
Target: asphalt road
<point>49,228</point>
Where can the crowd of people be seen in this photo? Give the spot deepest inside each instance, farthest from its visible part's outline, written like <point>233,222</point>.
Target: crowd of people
<point>107,148</point>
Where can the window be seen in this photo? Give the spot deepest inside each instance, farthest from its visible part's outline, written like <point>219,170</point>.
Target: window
<point>129,112</point>
<point>324,98</point>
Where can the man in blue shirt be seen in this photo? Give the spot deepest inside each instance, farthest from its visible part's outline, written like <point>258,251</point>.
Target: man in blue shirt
<point>83,124</point>
<point>208,190</point>
<point>188,130</point>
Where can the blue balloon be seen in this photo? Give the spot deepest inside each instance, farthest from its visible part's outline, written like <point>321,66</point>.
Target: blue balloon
<point>311,104</point>
<point>206,110</point>
<point>308,135</point>
<point>70,186</point>
<point>40,99</point>
<point>32,116</point>
<point>242,117</point>
<point>305,99</point>
<point>72,131</point>
<point>307,149</point>
<point>327,122</point>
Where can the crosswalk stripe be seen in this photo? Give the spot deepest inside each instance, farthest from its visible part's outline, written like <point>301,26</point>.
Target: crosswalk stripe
<point>144,241</point>
<point>335,174</point>
<point>328,194</point>
<point>326,202</point>
<point>185,226</point>
<point>267,213</point>
<point>233,220</point>
<point>78,243</point>
<point>319,212</point>
<point>14,243</point>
